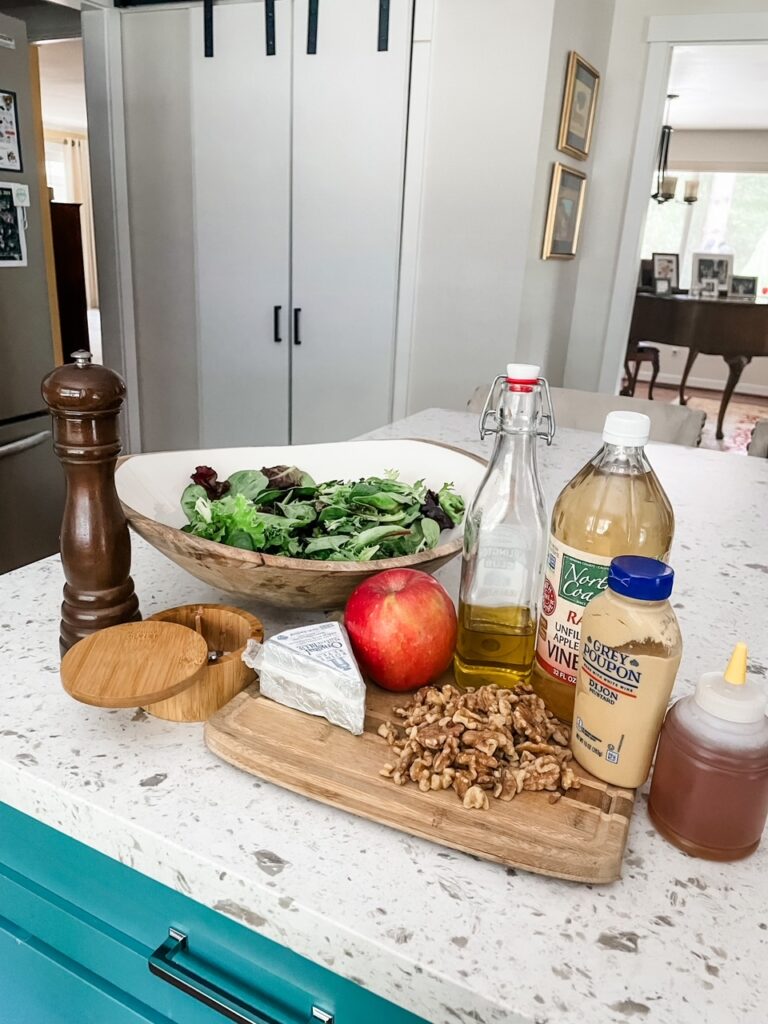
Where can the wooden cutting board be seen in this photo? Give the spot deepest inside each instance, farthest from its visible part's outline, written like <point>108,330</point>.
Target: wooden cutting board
<point>581,837</point>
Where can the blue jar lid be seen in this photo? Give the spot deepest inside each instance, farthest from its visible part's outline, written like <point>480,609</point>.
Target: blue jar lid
<point>644,579</point>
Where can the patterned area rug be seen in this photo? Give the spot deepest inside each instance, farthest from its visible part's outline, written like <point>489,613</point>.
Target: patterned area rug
<point>740,418</point>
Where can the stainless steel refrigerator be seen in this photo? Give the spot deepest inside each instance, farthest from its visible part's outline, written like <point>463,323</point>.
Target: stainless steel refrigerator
<point>31,479</point>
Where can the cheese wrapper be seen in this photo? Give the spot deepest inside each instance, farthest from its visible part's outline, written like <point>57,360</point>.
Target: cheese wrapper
<point>312,669</point>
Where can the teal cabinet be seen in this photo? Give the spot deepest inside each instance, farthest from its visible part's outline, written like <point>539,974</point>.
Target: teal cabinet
<point>79,933</point>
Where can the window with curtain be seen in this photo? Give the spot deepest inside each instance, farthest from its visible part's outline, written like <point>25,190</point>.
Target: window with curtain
<point>55,171</point>
<point>68,173</point>
<point>731,216</point>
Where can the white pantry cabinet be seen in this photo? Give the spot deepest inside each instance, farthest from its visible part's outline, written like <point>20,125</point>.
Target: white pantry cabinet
<point>298,164</point>
<point>241,155</point>
<point>350,108</point>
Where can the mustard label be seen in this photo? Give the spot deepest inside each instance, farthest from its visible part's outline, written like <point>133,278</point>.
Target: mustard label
<point>572,579</point>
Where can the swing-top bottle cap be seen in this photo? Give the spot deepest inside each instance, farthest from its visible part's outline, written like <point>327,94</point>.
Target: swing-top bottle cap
<point>730,695</point>
<point>630,429</point>
<point>523,373</point>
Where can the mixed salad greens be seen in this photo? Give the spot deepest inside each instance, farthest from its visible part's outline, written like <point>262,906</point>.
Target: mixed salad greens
<point>282,511</point>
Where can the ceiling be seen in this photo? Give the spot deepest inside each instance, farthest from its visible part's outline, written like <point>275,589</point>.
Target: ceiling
<point>62,85</point>
<point>720,87</point>
<point>57,20</point>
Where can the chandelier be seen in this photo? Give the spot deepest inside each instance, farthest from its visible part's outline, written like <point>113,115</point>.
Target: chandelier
<point>665,183</point>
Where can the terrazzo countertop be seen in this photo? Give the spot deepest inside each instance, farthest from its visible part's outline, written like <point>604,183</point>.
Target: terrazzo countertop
<point>449,937</point>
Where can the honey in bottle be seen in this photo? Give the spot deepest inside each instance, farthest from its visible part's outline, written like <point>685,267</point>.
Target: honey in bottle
<point>709,792</point>
<point>504,540</point>
<point>614,506</point>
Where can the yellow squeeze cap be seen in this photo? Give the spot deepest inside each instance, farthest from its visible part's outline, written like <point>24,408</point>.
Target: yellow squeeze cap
<point>736,673</point>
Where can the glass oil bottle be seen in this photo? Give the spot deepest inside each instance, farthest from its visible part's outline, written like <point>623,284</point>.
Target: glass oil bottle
<point>505,538</point>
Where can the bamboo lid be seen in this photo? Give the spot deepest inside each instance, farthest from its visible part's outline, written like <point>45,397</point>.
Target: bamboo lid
<point>134,664</point>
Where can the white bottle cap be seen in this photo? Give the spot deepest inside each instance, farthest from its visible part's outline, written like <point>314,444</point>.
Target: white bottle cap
<point>523,372</point>
<point>631,429</point>
<point>729,695</point>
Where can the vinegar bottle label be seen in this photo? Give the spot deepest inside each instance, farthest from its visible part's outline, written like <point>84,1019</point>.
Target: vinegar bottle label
<point>572,579</point>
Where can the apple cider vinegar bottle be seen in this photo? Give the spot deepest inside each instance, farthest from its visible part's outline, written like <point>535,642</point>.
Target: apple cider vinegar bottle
<point>505,538</point>
<point>614,505</point>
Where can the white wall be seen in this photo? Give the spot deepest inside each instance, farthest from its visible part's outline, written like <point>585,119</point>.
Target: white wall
<point>488,81</point>
<point>742,151</point>
<point>623,88</point>
<point>550,285</point>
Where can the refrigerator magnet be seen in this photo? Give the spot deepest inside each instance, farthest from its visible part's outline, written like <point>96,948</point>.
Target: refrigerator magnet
<point>10,145</point>
<point>13,242</point>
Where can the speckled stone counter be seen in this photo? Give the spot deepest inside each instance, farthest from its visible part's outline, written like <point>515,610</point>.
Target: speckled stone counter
<point>449,937</point>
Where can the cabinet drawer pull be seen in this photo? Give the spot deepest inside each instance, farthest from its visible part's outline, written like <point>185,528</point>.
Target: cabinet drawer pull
<point>162,964</point>
<point>276,323</point>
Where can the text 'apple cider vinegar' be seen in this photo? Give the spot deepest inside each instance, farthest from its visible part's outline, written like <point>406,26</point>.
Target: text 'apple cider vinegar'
<point>614,506</point>
<point>505,538</point>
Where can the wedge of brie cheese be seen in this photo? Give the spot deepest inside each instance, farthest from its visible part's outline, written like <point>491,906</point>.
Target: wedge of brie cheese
<point>312,669</point>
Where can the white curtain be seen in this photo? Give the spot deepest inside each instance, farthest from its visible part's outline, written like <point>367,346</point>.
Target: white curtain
<point>78,190</point>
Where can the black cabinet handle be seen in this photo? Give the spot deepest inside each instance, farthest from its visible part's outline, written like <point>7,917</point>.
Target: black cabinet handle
<point>207,28</point>
<point>312,13</point>
<point>269,26</point>
<point>276,323</point>
<point>383,25</point>
<point>296,333</point>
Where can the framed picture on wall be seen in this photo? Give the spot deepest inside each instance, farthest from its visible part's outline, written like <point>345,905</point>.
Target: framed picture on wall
<point>10,144</point>
<point>666,265</point>
<point>707,265</point>
<point>566,204</point>
<point>577,117</point>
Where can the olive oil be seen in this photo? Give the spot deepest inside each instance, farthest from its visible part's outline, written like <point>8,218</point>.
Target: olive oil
<point>494,645</point>
<point>505,539</point>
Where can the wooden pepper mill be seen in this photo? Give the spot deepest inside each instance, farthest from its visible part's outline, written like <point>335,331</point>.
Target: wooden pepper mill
<point>85,400</point>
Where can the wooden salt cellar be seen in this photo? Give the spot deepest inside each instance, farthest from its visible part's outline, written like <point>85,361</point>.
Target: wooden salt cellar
<point>85,401</point>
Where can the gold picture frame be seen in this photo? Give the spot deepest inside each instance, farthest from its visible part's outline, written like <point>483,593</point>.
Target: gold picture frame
<point>577,117</point>
<point>564,212</point>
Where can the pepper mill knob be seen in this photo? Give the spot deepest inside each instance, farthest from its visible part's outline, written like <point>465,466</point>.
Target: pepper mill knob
<point>85,401</point>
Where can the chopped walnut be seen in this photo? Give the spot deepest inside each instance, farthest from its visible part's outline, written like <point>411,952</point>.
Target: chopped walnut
<point>480,743</point>
<point>476,799</point>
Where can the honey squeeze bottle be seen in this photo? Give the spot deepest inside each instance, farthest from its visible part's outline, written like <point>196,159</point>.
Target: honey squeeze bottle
<point>709,792</point>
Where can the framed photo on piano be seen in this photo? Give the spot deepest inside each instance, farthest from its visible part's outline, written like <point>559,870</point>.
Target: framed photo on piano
<point>666,265</point>
<point>744,288</point>
<point>708,265</point>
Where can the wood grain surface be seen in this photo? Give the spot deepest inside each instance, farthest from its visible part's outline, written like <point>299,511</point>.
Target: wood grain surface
<point>133,664</point>
<point>274,579</point>
<point>224,629</point>
<point>581,837</point>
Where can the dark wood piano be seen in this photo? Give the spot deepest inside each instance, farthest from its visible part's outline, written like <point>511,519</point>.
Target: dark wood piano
<point>730,328</point>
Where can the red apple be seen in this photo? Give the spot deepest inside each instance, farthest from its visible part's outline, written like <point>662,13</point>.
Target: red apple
<point>402,625</point>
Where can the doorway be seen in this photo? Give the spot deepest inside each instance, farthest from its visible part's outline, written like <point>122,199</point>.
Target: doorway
<point>67,168</point>
<point>669,39</point>
<point>714,205</point>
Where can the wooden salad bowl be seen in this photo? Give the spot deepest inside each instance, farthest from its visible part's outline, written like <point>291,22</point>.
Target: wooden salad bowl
<point>150,486</point>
